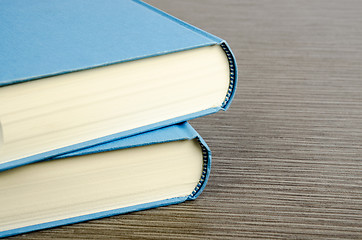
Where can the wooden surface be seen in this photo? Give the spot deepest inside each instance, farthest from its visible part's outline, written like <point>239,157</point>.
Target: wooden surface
<point>287,155</point>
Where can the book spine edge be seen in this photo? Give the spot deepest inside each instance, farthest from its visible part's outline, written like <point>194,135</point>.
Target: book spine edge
<point>233,76</point>
<point>206,152</point>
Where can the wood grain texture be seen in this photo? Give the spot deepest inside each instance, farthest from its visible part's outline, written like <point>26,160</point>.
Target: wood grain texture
<point>287,155</point>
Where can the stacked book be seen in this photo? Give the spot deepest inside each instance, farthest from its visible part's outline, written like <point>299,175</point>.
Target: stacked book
<point>93,102</point>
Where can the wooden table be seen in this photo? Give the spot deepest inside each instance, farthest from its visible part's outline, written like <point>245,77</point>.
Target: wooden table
<point>287,155</point>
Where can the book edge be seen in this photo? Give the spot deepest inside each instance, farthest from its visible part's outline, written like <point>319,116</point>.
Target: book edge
<point>22,80</point>
<point>92,216</point>
<point>179,131</point>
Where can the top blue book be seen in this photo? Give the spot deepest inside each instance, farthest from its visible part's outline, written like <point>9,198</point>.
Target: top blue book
<point>75,74</point>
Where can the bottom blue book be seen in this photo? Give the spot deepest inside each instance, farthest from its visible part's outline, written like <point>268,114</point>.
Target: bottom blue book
<point>157,168</point>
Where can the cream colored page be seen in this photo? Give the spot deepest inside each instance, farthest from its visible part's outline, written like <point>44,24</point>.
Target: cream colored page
<point>47,114</point>
<point>65,188</point>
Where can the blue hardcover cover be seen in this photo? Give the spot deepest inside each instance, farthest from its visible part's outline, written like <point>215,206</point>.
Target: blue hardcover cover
<point>44,38</point>
<point>181,131</point>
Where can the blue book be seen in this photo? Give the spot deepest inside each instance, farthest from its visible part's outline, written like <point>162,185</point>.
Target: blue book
<point>75,74</point>
<point>157,168</point>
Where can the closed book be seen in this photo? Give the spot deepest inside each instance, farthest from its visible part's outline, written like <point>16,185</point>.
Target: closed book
<point>75,74</point>
<point>157,168</point>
